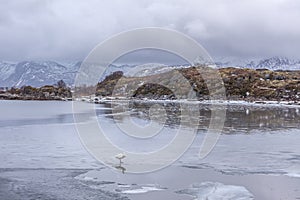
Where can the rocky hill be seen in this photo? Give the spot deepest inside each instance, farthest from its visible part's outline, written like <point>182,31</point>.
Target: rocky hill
<point>247,84</point>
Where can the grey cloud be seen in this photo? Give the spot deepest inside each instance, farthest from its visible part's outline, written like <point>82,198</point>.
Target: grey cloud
<point>68,30</point>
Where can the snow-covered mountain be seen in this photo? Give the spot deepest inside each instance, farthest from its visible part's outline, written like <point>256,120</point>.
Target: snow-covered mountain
<point>35,73</point>
<point>273,63</point>
<point>39,73</point>
<point>277,63</point>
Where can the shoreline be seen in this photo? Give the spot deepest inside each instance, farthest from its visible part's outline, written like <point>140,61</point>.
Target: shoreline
<point>28,98</point>
<point>184,101</point>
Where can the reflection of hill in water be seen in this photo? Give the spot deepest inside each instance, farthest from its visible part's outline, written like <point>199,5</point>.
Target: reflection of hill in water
<point>239,118</point>
<point>266,118</point>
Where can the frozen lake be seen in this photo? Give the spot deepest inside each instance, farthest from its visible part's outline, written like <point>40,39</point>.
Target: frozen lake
<point>256,157</point>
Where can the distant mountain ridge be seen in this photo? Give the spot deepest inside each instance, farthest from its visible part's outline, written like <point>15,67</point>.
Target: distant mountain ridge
<point>273,63</point>
<point>39,73</point>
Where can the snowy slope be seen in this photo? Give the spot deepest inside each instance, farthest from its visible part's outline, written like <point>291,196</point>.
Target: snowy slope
<point>34,73</point>
<point>6,69</point>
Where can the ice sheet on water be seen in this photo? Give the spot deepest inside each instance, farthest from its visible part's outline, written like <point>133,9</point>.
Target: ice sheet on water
<point>217,191</point>
<point>142,189</point>
<point>92,180</point>
<point>293,171</point>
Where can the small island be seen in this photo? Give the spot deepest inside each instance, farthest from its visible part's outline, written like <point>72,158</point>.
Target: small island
<point>59,91</point>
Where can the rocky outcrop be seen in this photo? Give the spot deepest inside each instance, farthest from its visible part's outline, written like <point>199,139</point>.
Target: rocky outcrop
<point>106,87</point>
<point>261,84</point>
<point>49,92</point>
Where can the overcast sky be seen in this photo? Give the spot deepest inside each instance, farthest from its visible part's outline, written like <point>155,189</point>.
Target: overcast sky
<point>69,29</point>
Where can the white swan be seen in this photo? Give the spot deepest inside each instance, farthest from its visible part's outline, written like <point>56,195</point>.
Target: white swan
<point>120,156</point>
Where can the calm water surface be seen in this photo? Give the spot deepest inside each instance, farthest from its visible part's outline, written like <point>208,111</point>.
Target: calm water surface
<point>256,157</point>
